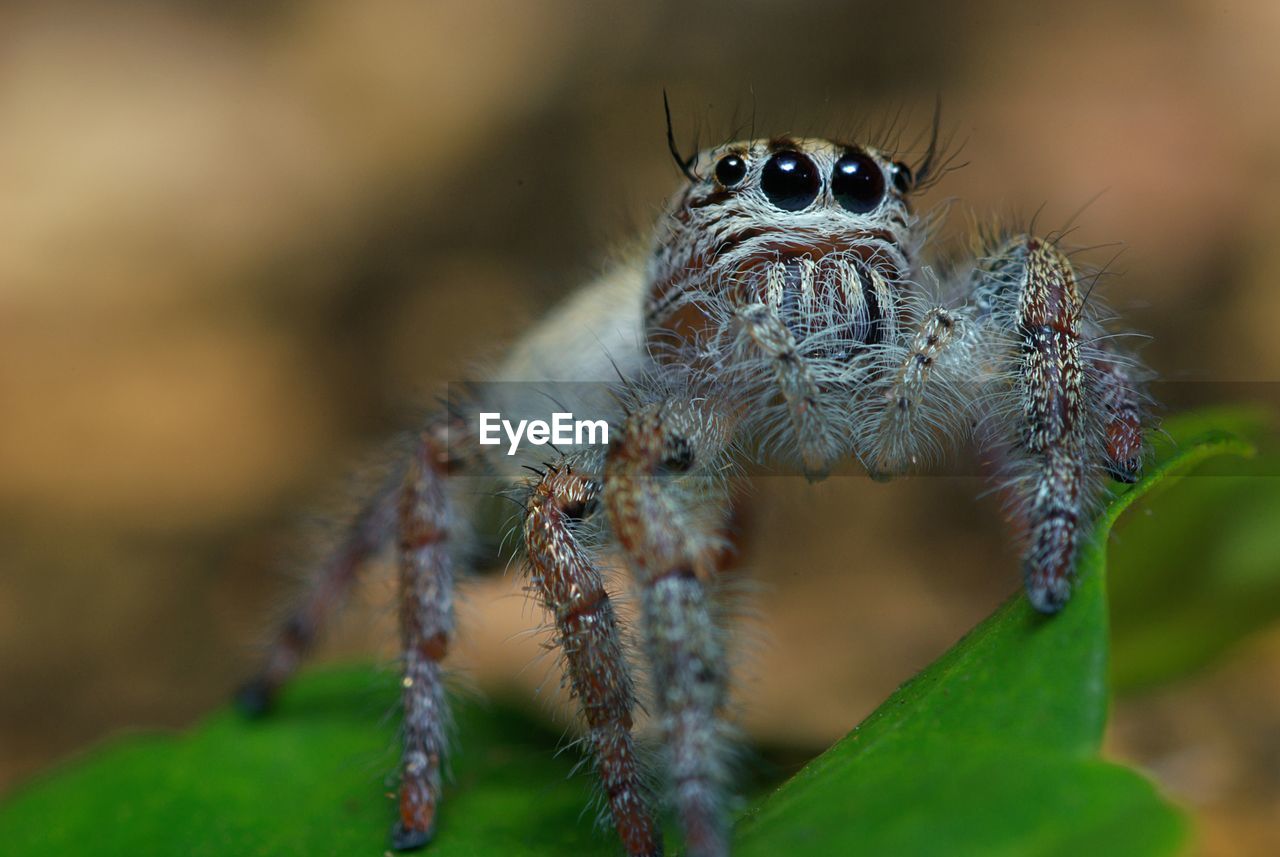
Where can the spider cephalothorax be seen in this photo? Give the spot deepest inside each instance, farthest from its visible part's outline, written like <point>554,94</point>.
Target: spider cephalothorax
<point>782,313</point>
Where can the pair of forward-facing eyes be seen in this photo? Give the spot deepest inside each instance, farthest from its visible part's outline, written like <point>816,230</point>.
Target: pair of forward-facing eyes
<point>790,179</point>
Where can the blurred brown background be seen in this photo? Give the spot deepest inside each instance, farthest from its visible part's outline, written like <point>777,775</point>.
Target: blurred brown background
<point>236,239</point>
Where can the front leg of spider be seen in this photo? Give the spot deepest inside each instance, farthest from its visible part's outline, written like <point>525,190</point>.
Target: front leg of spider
<point>667,508</point>
<point>565,579</point>
<point>1074,412</point>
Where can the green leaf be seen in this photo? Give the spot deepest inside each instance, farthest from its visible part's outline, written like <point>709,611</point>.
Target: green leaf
<point>308,780</point>
<point>1179,599</point>
<point>993,749</point>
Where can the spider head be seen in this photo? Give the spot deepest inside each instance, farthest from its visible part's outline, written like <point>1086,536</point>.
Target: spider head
<point>805,227</point>
<point>783,249</point>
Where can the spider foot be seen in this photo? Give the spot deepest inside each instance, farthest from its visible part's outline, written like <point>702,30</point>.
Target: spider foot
<point>1127,472</point>
<point>408,839</point>
<point>254,698</point>
<point>1048,593</point>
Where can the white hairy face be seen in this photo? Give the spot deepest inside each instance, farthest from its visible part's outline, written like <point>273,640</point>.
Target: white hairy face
<point>797,224</point>
<point>781,247</point>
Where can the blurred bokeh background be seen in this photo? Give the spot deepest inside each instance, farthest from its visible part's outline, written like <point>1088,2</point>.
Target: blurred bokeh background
<point>238,241</point>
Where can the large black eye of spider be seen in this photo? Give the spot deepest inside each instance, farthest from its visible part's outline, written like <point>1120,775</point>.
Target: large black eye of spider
<point>790,181</point>
<point>730,170</point>
<point>857,183</point>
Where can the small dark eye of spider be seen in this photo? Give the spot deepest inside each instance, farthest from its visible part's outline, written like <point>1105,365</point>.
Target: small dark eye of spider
<point>790,180</point>
<point>902,178</point>
<point>857,183</point>
<point>730,170</point>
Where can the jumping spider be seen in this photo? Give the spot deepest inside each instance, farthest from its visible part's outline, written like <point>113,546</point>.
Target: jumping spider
<point>783,315</point>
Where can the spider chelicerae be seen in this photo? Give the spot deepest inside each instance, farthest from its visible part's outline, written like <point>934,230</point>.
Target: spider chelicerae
<point>782,314</point>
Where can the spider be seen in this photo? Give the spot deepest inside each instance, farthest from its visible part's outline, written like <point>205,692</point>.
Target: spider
<point>782,314</point>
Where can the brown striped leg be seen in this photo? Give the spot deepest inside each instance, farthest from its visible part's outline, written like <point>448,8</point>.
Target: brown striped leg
<point>1051,386</point>
<point>660,519</point>
<point>1122,417</point>
<point>570,587</point>
<point>368,533</point>
<point>426,625</point>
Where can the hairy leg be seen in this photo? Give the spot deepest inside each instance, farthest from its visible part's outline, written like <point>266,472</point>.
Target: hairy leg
<point>370,530</point>
<point>426,626</point>
<point>570,587</point>
<point>1034,301</point>
<point>918,411</point>
<point>1122,416</point>
<point>660,482</point>
<point>761,334</point>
